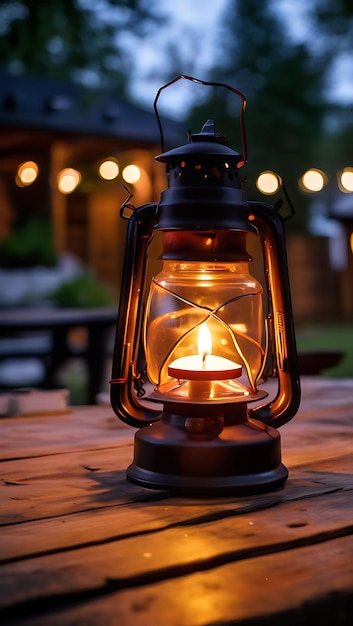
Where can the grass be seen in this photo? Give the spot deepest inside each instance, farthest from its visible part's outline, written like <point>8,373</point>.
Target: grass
<point>335,337</point>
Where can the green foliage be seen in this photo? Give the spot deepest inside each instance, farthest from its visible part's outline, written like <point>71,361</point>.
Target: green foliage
<point>84,291</point>
<point>29,245</point>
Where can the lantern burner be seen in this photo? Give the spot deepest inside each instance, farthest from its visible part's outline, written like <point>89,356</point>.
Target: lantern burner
<point>208,451</point>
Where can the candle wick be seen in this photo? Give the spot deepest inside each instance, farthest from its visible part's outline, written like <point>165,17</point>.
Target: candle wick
<point>204,360</point>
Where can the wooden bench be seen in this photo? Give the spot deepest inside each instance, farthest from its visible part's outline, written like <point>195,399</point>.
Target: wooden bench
<point>44,334</point>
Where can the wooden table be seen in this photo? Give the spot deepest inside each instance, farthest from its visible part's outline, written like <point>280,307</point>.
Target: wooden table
<point>97,322</point>
<point>81,545</point>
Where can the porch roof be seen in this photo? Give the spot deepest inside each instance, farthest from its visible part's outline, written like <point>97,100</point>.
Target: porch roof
<point>37,103</point>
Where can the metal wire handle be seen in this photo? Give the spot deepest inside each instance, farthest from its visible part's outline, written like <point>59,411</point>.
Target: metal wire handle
<point>207,84</point>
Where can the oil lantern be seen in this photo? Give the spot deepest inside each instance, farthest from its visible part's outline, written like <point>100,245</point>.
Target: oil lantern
<point>205,361</point>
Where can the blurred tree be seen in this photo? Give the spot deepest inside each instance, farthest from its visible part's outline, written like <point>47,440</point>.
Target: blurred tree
<point>335,21</point>
<point>284,90</point>
<point>285,79</point>
<point>79,40</point>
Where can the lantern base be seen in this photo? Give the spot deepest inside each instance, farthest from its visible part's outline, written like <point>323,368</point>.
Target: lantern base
<point>244,458</point>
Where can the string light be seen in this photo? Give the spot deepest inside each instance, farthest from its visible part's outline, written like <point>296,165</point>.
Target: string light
<point>108,169</point>
<point>68,179</point>
<point>131,174</point>
<point>313,180</point>
<point>27,173</point>
<point>345,180</point>
<point>268,183</point>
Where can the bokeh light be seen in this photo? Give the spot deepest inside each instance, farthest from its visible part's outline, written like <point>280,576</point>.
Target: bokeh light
<point>27,173</point>
<point>109,169</point>
<point>131,174</point>
<point>268,182</point>
<point>68,179</point>
<point>313,180</point>
<point>345,180</point>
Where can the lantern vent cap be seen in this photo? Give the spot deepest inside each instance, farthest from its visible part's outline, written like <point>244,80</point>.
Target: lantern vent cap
<point>206,143</point>
<point>208,133</point>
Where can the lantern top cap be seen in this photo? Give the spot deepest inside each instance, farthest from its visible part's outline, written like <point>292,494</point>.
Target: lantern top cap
<point>208,133</point>
<point>206,143</point>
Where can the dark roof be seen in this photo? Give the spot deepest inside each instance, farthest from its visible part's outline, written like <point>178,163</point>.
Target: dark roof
<point>43,104</point>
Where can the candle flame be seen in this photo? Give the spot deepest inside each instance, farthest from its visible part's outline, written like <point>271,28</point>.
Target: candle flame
<point>204,342</point>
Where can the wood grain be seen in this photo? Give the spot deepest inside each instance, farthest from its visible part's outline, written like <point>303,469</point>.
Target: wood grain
<point>262,591</point>
<point>79,544</point>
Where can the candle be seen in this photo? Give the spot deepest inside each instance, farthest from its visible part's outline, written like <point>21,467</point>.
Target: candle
<point>211,367</point>
<point>203,366</point>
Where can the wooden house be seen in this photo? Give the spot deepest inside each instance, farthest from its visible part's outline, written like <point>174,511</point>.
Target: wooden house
<point>57,126</point>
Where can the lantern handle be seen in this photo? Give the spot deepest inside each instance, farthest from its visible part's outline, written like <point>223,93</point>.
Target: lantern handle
<point>284,406</point>
<point>207,84</point>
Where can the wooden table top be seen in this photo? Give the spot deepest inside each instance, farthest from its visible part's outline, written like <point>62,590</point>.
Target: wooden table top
<point>81,545</point>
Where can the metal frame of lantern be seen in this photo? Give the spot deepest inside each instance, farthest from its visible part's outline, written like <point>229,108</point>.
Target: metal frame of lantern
<point>203,437</point>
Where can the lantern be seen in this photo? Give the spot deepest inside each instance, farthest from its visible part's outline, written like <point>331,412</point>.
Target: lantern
<point>198,347</point>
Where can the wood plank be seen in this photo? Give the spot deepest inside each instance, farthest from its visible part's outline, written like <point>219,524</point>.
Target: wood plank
<point>309,586</point>
<point>305,437</point>
<point>320,392</point>
<point>316,435</point>
<point>156,511</point>
<point>140,510</point>
<point>48,486</point>
<point>84,427</point>
<point>201,544</point>
<point>34,586</point>
<point>323,402</point>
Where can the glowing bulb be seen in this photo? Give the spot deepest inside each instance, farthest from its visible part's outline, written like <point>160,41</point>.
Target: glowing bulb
<point>345,180</point>
<point>27,173</point>
<point>268,183</point>
<point>109,169</point>
<point>131,173</point>
<point>204,341</point>
<point>313,180</point>
<point>68,179</point>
